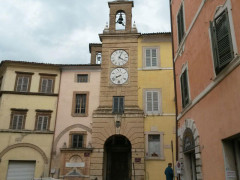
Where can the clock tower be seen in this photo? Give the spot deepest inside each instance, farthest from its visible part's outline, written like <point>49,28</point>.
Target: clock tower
<point>118,127</point>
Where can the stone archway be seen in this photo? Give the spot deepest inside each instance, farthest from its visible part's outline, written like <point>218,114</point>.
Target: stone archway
<point>117,158</point>
<point>68,129</point>
<point>41,152</point>
<point>189,130</point>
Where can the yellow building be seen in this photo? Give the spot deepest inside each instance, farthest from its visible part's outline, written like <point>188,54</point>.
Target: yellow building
<point>156,98</point>
<point>28,101</point>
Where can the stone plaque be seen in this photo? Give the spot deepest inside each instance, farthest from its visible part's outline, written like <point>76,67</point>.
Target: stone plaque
<point>79,164</point>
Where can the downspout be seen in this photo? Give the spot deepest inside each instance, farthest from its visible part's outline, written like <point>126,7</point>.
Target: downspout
<point>174,77</point>
<point>55,122</point>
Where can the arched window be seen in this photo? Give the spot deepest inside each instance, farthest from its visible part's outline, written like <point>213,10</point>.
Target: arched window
<point>120,20</point>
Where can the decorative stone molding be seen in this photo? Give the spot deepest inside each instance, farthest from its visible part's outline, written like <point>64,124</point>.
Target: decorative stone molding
<point>68,129</point>
<point>190,124</point>
<point>41,152</point>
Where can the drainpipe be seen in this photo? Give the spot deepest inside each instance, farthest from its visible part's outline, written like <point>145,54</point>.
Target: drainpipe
<point>55,121</point>
<point>174,77</point>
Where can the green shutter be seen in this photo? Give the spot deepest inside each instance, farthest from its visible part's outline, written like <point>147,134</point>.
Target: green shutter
<point>224,40</point>
<point>214,45</point>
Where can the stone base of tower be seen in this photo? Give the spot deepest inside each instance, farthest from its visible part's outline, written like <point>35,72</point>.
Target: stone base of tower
<point>108,126</point>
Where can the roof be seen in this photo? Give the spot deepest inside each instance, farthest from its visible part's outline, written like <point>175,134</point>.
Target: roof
<point>94,44</point>
<point>44,64</point>
<point>157,33</point>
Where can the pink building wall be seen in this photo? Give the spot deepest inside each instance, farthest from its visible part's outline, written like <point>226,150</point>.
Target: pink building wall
<point>214,99</point>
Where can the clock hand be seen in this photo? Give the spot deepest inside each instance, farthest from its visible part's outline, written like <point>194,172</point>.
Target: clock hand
<point>118,76</point>
<point>120,55</point>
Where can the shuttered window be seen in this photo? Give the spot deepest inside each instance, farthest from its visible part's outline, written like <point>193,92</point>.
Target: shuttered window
<point>184,88</point>
<point>46,85</point>
<point>77,141</point>
<point>22,83</point>
<point>118,105</point>
<point>180,24</point>
<point>42,123</point>
<point>151,57</point>
<point>80,106</point>
<point>221,41</point>
<point>17,121</point>
<point>152,101</point>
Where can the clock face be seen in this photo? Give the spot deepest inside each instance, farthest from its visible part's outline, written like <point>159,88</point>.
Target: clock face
<point>119,57</point>
<point>119,76</point>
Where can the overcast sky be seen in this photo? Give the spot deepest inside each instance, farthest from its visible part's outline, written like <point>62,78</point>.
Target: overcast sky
<point>59,31</point>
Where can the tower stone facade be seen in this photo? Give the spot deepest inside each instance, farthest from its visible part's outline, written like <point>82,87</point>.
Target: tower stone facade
<point>118,132</point>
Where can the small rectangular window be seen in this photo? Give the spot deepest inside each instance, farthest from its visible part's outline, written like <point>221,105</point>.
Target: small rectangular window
<point>80,107</point>
<point>180,24</point>
<point>46,85</point>
<point>184,89</point>
<point>80,104</point>
<point>77,141</point>
<point>17,121</point>
<point>118,105</point>
<point>23,82</point>
<point>152,101</point>
<point>42,123</point>
<point>154,145</point>
<point>82,78</point>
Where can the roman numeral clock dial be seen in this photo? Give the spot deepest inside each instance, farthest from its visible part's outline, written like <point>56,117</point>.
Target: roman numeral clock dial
<point>119,76</point>
<point>119,57</point>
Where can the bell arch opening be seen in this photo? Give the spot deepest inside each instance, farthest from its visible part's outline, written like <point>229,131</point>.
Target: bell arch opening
<point>117,158</point>
<point>120,20</point>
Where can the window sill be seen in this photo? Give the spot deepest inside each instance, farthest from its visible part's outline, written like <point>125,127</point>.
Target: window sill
<point>27,93</point>
<point>79,115</point>
<point>155,68</point>
<point>76,149</point>
<point>154,158</point>
<point>25,131</point>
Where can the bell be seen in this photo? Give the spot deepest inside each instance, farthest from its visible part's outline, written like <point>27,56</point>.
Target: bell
<point>120,19</point>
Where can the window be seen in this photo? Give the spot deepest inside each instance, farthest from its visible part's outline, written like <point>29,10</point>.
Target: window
<point>222,46</point>
<point>180,24</point>
<point>1,79</point>
<point>77,139</point>
<point>98,58</point>
<point>152,101</point>
<point>23,81</point>
<point>18,117</point>
<point>80,104</point>
<point>47,82</point>
<point>43,120</point>
<point>82,78</point>
<point>154,145</point>
<point>151,57</point>
<point>184,88</point>
<point>118,105</point>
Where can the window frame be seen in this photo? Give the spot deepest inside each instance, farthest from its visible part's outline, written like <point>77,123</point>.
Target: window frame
<point>161,155</point>
<point>77,78</point>
<point>118,102</point>
<point>44,113</point>
<point>158,58</point>
<point>185,69</point>
<point>226,7</point>
<point>180,39</point>
<point>22,112</point>
<point>159,91</point>
<point>47,77</point>
<point>23,74</point>
<point>74,103</point>
<point>84,141</point>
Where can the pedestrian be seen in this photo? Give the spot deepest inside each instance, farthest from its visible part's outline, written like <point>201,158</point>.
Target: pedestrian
<point>169,172</point>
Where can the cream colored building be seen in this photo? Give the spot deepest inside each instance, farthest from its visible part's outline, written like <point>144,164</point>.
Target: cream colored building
<point>156,98</point>
<point>28,102</point>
